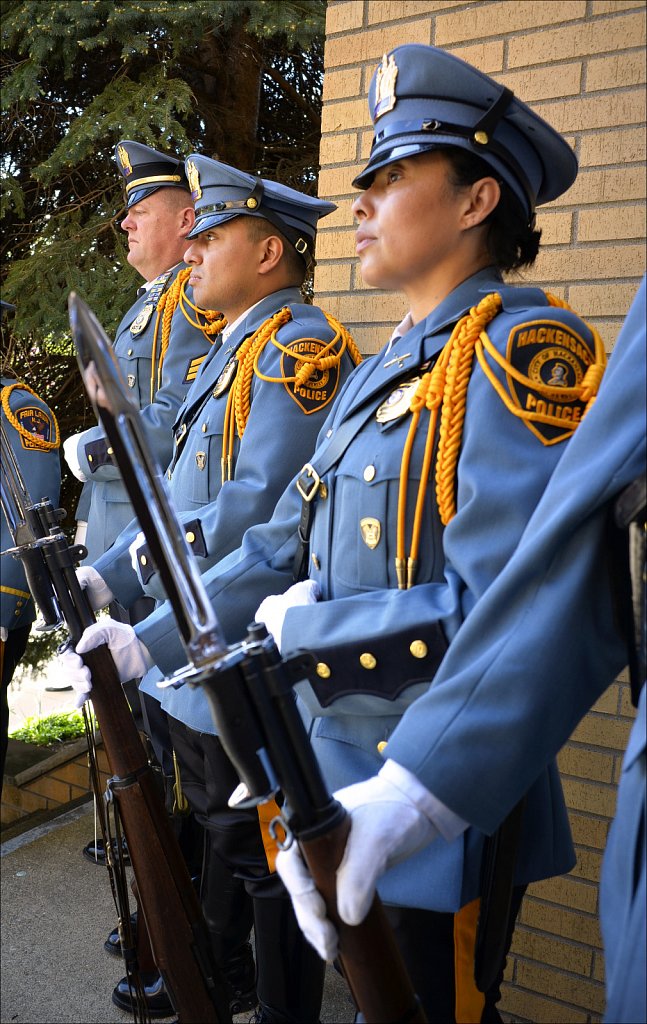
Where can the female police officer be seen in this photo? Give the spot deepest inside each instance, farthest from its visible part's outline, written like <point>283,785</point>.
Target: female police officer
<point>426,472</point>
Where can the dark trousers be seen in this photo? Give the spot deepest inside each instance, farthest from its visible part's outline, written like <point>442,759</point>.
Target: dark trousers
<point>13,649</point>
<point>289,972</point>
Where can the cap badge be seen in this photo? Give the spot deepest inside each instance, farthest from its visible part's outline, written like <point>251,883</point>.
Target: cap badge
<point>370,530</point>
<point>385,86</point>
<point>193,175</point>
<point>124,160</point>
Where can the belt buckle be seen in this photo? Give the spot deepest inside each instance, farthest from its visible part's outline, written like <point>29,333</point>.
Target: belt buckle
<point>311,473</point>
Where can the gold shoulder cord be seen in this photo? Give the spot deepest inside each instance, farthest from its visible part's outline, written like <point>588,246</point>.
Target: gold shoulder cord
<point>248,355</point>
<point>446,386</point>
<point>166,306</point>
<point>17,425</point>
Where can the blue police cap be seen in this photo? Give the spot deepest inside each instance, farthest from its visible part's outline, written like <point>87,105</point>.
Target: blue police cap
<point>145,171</point>
<point>421,98</point>
<point>221,192</point>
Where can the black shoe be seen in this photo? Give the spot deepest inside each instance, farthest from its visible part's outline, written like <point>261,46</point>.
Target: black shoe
<point>240,974</point>
<point>158,1003</point>
<point>96,852</point>
<point>112,944</point>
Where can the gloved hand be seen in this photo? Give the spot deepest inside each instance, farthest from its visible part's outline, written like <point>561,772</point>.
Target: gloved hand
<point>388,824</point>
<point>129,654</point>
<point>72,669</point>
<point>134,548</point>
<point>70,448</point>
<point>272,609</point>
<point>97,590</point>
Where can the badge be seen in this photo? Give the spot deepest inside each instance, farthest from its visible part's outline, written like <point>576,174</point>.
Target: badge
<point>193,176</point>
<point>142,318</point>
<point>131,379</point>
<point>124,160</point>
<point>320,388</point>
<point>226,377</point>
<point>385,87</point>
<point>201,460</point>
<point>552,360</point>
<point>370,530</point>
<point>398,403</point>
<point>38,426</point>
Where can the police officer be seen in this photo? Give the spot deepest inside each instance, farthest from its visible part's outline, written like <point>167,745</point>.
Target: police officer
<point>35,439</point>
<point>249,421</point>
<point>427,472</point>
<point>549,621</point>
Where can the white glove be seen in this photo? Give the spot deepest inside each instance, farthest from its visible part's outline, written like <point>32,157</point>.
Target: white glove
<point>272,609</point>
<point>129,654</point>
<point>70,450</point>
<point>4,634</point>
<point>81,532</point>
<point>97,590</point>
<point>76,674</point>
<point>134,548</point>
<point>388,824</point>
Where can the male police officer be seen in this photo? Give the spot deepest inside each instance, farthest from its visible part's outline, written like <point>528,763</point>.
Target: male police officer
<point>249,421</point>
<point>34,437</point>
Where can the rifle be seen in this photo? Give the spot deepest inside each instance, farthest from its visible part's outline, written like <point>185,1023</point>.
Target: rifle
<point>249,688</point>
<point>170,907</point>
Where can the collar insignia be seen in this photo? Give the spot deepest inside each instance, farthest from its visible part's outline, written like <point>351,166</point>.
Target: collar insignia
<point>193,175</point>
<point>398,403</point>
<point>385,87</point>
<point>226,377</point>
<point>124,160</point>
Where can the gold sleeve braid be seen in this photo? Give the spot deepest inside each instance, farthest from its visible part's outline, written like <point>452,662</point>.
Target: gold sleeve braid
<point>167,304</point>
<point>445,387</point>
<point>46,446</point>
<point>248,355</point>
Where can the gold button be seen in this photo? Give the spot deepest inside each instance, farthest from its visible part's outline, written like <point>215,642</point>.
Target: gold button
<point>90,458</point>
<point>367,660</point>
<point>143,559</point>
<point>482,138</point>
<point>316,563</point>
<point>16,613</point>
<point>204,428</point>
<point>382,745</point>
<point>18,604</point>
<point>369,474</point>
<point>110,451</point>
<point>323,670</point>
<point>130,351</point>
<point>419,649</point>
<point>323,491</point>
<point>190,536</point>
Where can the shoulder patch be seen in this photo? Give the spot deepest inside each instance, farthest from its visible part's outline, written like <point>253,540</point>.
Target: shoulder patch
<point>38,429</point>
<point>551,360</point>
<point>315,389</point>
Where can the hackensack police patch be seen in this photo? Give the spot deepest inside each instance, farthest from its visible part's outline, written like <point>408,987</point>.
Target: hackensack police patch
<point>553,359</point>
<point>38,425</point>
<point>320,388</point>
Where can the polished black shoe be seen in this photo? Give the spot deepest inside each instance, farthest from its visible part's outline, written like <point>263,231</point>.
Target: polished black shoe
<point>158,1003</point>
<point>240,973</point>
<point>112,944</point>
<point>96,851</point>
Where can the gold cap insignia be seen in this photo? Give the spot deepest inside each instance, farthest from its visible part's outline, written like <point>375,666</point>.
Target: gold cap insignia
<point>124,160</point>
<point>193,176</point>
<point>385,87</point>
<point>201,459</point>
<point>370,530</point>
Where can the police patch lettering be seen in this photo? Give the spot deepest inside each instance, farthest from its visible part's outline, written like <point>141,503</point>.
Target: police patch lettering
<point>38,426</point>
<point>319,389</point>
<point>553,359</point>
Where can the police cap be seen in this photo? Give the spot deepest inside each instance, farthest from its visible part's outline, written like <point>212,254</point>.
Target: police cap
<point>145,171</point>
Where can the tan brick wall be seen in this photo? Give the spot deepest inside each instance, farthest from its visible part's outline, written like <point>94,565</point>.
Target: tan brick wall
<point>581,64</point>
<point>51,789</point>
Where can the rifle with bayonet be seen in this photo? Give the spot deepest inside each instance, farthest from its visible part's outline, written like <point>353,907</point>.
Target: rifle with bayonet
<point>250,692</point>
<point>170,907</point>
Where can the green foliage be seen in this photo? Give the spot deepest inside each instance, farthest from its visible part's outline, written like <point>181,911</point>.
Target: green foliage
<point>55,728</point>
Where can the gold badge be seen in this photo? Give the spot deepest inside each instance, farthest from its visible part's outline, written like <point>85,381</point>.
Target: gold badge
<point>201,460</point>
<point>193,176</point>
<point>385,87</point>
<point>141,320</point>
<point>132,380</point>
<point>398,403</point>
<point>124,160</point>
<point>226,377</point>
<point>371,531</point>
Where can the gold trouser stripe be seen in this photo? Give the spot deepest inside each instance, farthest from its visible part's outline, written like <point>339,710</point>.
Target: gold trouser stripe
<point>469,1001</point>
<point>266,812</point>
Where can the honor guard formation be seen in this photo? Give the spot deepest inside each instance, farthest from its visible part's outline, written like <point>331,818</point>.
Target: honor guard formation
<point>418,533</point>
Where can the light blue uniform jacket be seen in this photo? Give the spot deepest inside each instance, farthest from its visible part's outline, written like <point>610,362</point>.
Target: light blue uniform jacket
<point>278,438</point>
<point>502,471</point>
<point>42,474</point>
<point>104,502</point>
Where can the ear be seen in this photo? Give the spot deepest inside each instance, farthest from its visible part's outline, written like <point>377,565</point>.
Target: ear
<point>187,220</point>
<point>271,251</point>
<point>480,200</point>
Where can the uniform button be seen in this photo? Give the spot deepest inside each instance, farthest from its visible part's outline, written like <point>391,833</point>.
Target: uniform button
<point>190,536</point>
<point>323,491</point>
<point>367,660</point>
<point>419,649</point>
<point>110,451</point>
<point>130,351</point>
<point>18,604</point>
<point>381,747</point>
<point>323,670</point>
<point>369,474</point>
<point>316,563</point>
<point>143,560</point>
<point>329,433</point>
<point>90,458</point>
<point>203,428</point>
<point>16,613</point>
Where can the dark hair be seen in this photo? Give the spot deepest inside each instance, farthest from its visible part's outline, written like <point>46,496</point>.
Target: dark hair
<point>512,242</point>
<point>259,228</point>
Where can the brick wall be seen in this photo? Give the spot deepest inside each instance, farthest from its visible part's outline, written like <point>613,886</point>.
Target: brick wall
<point>50,784</point>
<point>581,64</point>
